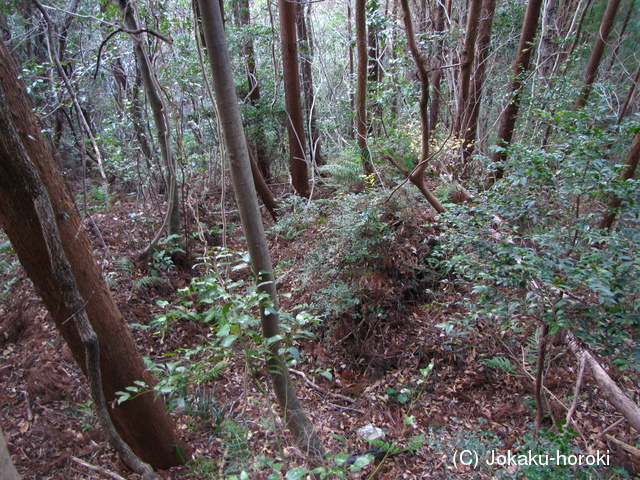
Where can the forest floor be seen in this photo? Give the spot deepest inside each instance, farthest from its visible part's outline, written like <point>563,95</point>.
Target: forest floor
<point>433,395</point>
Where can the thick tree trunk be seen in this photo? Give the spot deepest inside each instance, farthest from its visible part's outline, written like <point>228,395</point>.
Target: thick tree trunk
<point>143,423</point>
<point>466,65</point>
<point>18,170</point>
<point>361,87</point>
<point>591,73</point>
<point>520,66</point>
<point>295,124</point>
<point>295,418</point>
<point>475,97</point>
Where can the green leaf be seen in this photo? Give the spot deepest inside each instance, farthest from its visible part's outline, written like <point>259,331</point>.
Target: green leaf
<point>228,340</point>
<point>361,462</point>
<point>296,473</point>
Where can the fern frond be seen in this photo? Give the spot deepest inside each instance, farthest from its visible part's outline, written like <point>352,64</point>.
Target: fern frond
<point>500,363</point>
<point>148,282</point>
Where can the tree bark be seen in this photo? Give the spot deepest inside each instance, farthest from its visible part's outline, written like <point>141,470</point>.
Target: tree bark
<point>436,76</point>
<point>466,65</point>
<point>295,124</point>
<point>18,170</point>
<point>520,66</point>
<point>143,423</point>
<point>591,73</point>
<point>475,97</point>
<point>295,418</point>
<point>361,86</point>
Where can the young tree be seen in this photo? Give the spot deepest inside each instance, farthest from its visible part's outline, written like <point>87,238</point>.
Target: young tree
<point>143,422</point>
<point>520,67</point>
<point>231,121</point>
<point>295,124</point>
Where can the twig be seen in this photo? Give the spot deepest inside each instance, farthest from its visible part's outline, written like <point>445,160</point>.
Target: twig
<point>628,448</point>
<point>576,393</point>
<point>610,427</point>
<point>320,389</point>
<point>100,470</point>
<point>539,384</point>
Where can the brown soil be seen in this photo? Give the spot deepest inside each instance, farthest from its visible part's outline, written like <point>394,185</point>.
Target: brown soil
<point>375,360</point>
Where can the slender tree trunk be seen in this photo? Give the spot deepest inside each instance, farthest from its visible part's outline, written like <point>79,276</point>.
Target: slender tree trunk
<point>436,66</point>
<point>361,87</point>
<point>417,175</point>
<point>243,13</point>
<point>520,67</point>
<point>466,65</point>
<point>306,57</point>
<point>352,98</point>
<point>161,120</point>
<point>591,73</point>
<point>143,423</point>
<point>548,41</point>
<point>295,124</point>
<point>623,30</point>
<point>627,174</point>
<point>295,417</point>
<point>475,97</point>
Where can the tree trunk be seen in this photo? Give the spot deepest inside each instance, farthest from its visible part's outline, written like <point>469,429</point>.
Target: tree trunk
<point>352,98</point>
<point>161,120</point>
<point>466,65</point>
<point>590,74</point>
<point>625,24</point>
<point>436,77</point>
<point>243,13</point>
<point>627,174</point>
<point>295,124</point>
<point>417,175</point>
<point>548,41</point>
<point>295,418</point>
<point>306,56</point>
<point>361,87</point>
<point>7,470</point>
<point>475,97</point>
<point>143,423</point>
<point>520,66</point>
